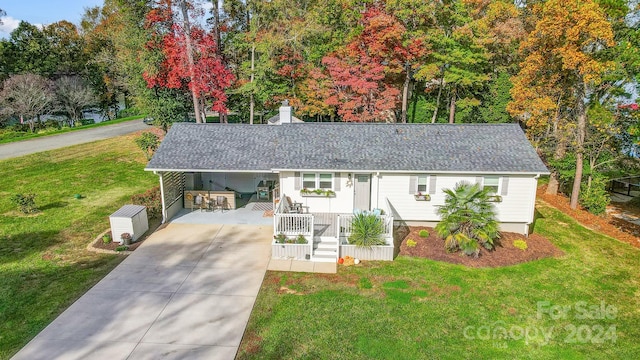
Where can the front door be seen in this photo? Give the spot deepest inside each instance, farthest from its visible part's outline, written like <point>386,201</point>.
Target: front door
<point>362,192</point>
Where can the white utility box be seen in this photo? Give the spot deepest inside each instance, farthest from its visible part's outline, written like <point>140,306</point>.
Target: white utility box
<point>130,219</point>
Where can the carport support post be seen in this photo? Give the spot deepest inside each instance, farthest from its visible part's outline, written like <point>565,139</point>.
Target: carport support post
<point>164,210</point>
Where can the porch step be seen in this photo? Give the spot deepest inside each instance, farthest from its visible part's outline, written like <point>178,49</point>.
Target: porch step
<point>324,258</point>
<point>325,250</point>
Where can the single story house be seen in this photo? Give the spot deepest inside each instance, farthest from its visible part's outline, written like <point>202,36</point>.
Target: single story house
<point>319,174</point>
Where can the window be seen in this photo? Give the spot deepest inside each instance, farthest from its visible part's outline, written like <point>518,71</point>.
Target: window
<point>309,181</point>
<point>325,181</point>
<point>422,183</point>
<point>491,182</point>
<point>317,181</point>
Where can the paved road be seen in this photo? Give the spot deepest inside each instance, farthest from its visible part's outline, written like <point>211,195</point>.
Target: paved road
<point>185,293</point>
<point>27,147</point>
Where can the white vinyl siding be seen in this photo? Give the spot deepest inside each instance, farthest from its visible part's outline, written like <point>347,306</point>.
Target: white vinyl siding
<point>342,202</point>
<point>515,207</point>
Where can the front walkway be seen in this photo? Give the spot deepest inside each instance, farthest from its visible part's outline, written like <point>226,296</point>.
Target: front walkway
<point>185,293</point>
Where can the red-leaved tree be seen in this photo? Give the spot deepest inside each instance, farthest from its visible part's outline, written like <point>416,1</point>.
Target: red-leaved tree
<point>367,73</point>
<point>208,78</point>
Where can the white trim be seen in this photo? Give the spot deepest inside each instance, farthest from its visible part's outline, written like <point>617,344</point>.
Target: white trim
<point>317,180</point>
<point>212,171</point>
<point>434,172</point>
<point>164,209</point>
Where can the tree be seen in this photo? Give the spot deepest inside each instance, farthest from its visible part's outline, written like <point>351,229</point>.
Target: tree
<point>458,60</point>
<point>563,54</point>
<point>467,219</point>
<point>73,96</point>
<point>66,48</point>
<point>148,142</point>
<point>27,96</point>
<point>188,60</point>
<point>32,50</point>
<point>360,89</point>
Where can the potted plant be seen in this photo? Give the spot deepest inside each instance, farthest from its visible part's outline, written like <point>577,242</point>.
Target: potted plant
<point>125,239</point>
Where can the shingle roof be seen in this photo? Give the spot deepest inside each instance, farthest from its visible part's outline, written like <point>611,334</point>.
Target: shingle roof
<point>478,148</point>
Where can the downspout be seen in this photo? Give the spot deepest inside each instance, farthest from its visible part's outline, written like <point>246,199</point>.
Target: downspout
<point>164,209</point>
<point>533,205</point>
<point>378,190</point>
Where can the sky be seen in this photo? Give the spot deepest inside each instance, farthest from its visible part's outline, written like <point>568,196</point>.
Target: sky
<point>42,12</point>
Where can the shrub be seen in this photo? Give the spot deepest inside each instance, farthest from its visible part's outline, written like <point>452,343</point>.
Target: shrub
<point>25,202</point>
<point>280,238</point>
<point>366,230</point>
<point>411,243</point>
<point>152,200</point>
<point>132,111</point>
<point>423,233</point>
<point>86,122</point>
<point>468,219</point>
<point>301,239</point>
<point>106,238</point>
<point>595,198</point>
<point>148,142</point>
<point>520,244</point>
<point>122,248</point>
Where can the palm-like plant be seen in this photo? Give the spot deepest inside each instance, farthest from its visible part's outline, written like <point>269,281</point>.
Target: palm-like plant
<point>467,219</point>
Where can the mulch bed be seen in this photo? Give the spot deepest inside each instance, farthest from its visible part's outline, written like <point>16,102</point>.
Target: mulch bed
<point>114,244</point>
<point>154,225</point>
<point>605,224</point>
<point>504,254</point>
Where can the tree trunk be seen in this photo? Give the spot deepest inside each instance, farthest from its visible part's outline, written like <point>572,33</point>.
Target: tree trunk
<point>561,150</point>
<point>452,107</point>
<point>216,25</point>
<point>405,93</point>
<point>435,112</point>
<point>251,99</point>
<point>581,132</point>
<point>190,61</point>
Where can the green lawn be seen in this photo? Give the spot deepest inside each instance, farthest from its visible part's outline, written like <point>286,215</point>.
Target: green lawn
<point>44,265</point>
<point>27,136</point>
<point>421,309</point>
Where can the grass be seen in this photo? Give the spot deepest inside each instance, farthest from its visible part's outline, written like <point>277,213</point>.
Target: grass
<point>44,265</point>
<point>68,129</point>
<point>422,309</point>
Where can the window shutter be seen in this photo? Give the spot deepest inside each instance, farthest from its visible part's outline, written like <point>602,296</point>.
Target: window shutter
<point>336,182</point>
<point>432,184</point>
<point>479,180</point>
<point>296,181</point>
<point>413,184</point>
<point>505,186</point>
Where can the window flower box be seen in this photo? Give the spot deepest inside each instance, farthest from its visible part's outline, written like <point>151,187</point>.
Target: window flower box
<point>422,197</point>
<point>495,198</point>
<point>317,193</point>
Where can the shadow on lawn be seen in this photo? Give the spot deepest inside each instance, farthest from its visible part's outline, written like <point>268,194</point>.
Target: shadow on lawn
<point>54,205</point>
<point>20,246</point>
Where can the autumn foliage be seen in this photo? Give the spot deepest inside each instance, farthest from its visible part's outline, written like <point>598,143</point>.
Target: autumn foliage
<point>211,77</point>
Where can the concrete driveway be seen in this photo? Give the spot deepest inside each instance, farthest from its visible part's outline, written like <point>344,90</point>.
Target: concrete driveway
<point>185,293</point>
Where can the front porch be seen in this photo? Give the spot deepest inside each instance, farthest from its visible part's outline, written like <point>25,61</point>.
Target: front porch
<point>326,236</point>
